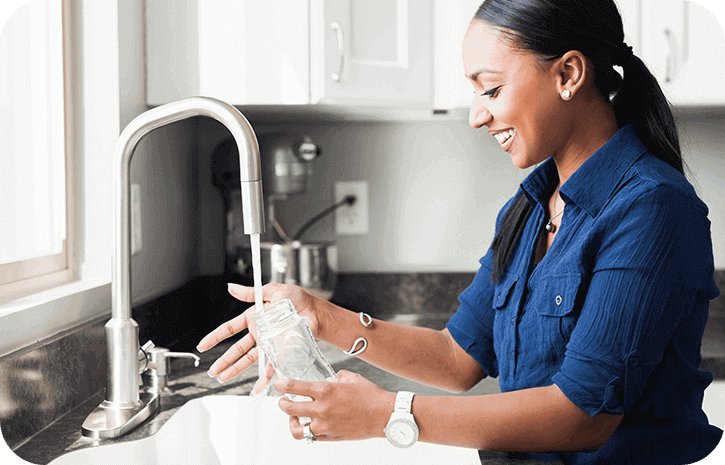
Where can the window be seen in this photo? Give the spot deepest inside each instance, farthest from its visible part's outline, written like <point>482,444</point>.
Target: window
<point>92,125</point>
<point>34,163</point>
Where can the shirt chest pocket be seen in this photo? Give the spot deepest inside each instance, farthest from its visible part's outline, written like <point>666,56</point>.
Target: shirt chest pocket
<point>553,304</point>
<point>503,290</point>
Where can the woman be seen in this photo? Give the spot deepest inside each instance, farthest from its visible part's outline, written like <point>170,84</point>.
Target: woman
<point>590,304</point>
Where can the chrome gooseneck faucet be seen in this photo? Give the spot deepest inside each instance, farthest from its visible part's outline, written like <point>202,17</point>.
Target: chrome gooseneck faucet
<point>125,406</point>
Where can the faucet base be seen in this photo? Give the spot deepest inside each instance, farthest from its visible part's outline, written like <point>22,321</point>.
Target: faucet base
<point>108,422</point>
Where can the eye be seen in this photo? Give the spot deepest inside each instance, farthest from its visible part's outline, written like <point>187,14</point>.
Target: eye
<point>492,93</point>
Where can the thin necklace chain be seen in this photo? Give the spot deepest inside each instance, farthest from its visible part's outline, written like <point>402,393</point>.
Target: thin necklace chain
<point>550,227</point>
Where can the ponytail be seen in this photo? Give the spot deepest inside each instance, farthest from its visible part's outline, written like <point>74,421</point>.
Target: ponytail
<point>550,28</point>
<point>641,102</point>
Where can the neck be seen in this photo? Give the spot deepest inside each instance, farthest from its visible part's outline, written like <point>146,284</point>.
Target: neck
<point>594,125</point>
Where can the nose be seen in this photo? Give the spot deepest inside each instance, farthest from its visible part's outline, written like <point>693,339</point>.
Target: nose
<point>479,115</point>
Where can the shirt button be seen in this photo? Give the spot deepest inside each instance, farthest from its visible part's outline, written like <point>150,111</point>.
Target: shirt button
<point>558,300</point>
<point>512,355</point>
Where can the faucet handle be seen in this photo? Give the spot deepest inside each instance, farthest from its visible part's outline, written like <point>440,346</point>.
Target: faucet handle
<point>143,356</point>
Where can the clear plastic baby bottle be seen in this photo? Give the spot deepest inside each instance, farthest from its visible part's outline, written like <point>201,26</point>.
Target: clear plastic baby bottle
<point>289,345</point>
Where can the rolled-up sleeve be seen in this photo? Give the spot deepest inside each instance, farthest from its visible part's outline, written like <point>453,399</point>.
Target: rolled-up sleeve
<point>653,264</point>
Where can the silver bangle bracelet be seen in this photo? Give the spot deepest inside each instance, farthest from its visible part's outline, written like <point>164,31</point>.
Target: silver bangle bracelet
<point>366,321</point>
<point>359,351</point>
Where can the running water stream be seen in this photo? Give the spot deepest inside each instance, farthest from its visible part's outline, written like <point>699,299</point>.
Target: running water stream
<point>258,303</point>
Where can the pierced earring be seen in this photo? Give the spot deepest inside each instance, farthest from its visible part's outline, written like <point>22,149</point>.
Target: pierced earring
<point>566,94</point>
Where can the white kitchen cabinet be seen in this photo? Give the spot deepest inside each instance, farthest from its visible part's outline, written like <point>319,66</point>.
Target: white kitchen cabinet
<point>245,52</point>
<point>688,60</point>
<point>684,46</point>
<point>374,52</point>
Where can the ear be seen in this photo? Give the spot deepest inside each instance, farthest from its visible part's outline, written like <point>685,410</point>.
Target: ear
<point>570,73</point>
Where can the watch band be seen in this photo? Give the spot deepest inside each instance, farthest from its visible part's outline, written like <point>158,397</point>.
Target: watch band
<point>404,401</point>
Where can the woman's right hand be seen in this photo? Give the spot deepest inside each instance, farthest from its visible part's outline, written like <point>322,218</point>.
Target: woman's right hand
<point>242,354</point>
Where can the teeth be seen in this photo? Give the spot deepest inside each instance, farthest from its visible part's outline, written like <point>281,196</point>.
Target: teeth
<point>502,137</point>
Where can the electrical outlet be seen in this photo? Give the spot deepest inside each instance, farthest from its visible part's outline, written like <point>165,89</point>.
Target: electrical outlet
<point>352,219</point>
<point>136,243</point>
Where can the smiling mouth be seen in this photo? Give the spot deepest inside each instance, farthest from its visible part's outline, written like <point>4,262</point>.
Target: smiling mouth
<point>504,137</point>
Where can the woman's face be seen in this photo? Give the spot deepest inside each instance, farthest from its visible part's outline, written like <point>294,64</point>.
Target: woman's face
<point>516,96</point>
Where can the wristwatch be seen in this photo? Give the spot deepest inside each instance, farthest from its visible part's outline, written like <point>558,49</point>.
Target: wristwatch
<point>402,431</point>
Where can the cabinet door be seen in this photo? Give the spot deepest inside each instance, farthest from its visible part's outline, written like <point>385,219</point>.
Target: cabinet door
<point>664,41</point>
<point>245,52</point>
<point>375,52</point>
<point>684,47</point>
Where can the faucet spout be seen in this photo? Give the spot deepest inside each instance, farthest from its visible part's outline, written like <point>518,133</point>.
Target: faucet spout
<point>250,177</point>
<point>122,395</point>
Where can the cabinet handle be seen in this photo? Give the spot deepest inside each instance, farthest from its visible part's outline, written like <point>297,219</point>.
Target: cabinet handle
<point>341,50</point>
<point>671,58</point>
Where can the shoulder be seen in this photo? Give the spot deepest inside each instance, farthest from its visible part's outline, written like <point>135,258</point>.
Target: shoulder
<point>651,183</point>
<point>655,215</point>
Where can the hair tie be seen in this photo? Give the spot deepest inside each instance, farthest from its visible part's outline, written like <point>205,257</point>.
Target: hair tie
<point>623,54</point>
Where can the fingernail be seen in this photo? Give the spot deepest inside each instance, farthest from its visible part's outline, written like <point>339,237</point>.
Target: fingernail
<point>220,381</point>
<point>234,286</point>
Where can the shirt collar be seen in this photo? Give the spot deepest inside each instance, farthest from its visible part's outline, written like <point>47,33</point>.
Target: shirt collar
<point>592,183</point>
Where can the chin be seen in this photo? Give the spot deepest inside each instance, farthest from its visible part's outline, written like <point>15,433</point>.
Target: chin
<point>522,162</point>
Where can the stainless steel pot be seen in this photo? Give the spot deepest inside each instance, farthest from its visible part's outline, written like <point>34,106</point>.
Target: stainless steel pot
<point>311,266</point>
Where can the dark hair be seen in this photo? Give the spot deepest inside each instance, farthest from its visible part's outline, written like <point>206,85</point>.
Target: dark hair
<point>549,29</point>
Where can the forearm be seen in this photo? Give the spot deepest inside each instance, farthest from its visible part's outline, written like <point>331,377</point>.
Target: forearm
<point>531,420</point>
<point>421,354</point>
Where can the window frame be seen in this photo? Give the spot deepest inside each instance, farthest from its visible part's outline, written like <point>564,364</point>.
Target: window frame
<point>92,118</point>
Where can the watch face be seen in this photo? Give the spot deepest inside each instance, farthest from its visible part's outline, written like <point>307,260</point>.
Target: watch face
<point>402,433</point>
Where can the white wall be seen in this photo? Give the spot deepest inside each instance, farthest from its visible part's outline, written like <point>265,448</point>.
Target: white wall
<point>434,189</point>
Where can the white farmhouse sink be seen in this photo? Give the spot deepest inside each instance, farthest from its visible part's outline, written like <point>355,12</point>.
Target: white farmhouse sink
<point>239,430</point>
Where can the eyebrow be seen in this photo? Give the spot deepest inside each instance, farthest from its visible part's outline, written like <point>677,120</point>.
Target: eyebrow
<point>473,76</point>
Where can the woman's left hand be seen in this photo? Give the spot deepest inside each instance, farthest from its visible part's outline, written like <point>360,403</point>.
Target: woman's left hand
<point>353,408</point>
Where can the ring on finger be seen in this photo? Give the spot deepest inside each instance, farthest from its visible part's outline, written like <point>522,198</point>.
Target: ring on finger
<point>307,434</point>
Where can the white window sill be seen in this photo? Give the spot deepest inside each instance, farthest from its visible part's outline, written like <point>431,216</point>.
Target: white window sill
<point>48,314</point>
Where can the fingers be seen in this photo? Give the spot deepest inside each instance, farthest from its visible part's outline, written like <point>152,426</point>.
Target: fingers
<point>344,376</point>
<point>235,353</point>
<point>241,365</point>
<point>297,429</point>
<point>301,388</point>
<point>246,294</point>
<point>243,293</point>
<point>225,330</point>
<point>239,323</point>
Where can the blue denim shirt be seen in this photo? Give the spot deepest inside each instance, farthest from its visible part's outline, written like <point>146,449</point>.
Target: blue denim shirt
<point>615,311</point>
